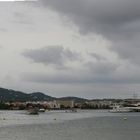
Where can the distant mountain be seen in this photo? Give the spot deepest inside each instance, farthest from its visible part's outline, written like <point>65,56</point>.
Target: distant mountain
<point>7,95</point>
<point>77,99</point>
<point>12,95</point>
<point>38,96</point>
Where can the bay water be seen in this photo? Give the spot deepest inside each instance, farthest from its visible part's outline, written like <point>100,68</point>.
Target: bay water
<point>61,125</point>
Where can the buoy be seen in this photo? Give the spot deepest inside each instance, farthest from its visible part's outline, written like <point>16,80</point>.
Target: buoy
<point>124,118</point>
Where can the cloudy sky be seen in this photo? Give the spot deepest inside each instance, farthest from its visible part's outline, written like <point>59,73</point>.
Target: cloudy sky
<point>84,48</point>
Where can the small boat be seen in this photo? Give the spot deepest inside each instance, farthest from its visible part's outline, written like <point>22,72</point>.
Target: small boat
<point>120,109</point>
<point>41,110</point>
<point>73,110</point>
<point>33,111</point>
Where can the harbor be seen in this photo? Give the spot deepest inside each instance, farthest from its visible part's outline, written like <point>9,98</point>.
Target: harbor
<point>85,124</point>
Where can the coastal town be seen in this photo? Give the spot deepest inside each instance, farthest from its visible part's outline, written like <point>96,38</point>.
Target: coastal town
<point>68,104</point>
<point>17,100</point>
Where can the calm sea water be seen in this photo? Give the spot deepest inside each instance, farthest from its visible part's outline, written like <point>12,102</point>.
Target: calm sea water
<point>58,125</point>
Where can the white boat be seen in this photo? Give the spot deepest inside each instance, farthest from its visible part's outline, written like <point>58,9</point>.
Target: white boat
<point>41,110</point>
<point>120,109</point>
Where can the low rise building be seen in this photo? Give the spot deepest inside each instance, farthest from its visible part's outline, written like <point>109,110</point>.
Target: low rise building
<point>65,103</point>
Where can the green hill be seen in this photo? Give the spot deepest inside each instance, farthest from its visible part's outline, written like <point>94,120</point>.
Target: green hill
<point>7,95</point>
<point>12,95</point>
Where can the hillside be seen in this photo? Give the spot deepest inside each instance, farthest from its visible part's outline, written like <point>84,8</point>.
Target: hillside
<point>77,99</point>
<point>12,95</point>
<point>7,95</point>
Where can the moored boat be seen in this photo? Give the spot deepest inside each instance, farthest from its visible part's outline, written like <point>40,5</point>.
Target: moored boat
<point>41,110</point>
<point>33,111</point>
<point>120,109</point>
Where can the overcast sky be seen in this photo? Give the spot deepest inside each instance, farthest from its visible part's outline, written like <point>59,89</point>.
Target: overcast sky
<point>84,48</point>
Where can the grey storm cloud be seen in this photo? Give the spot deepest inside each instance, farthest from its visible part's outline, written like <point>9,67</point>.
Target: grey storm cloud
<point>76,78</point>
<point>94,72</point>
<point>22,18</point>
<point>3,30</point>
<point>108,17</point>
<point>116,20</point>
<point>97,57</point>
<point>102,68</point>
<point>66,79</point>
<point>52,55</point>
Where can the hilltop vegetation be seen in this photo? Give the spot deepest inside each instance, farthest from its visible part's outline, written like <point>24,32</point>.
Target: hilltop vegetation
<point>9,95</point>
